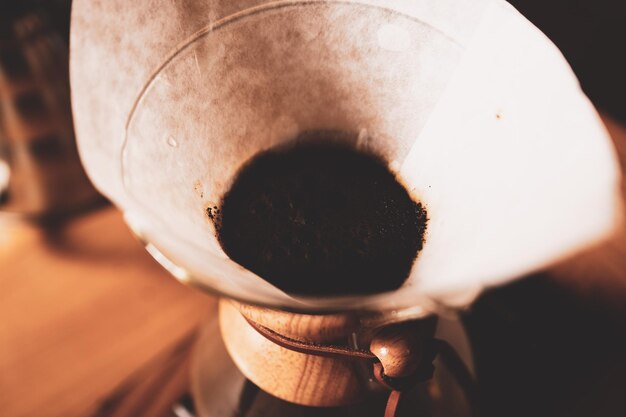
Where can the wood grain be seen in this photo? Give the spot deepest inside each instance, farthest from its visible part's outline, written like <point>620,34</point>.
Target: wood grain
<point>304,327</point>
<point>83,308</point>
<point>399,349</point>
<point>292,376</point>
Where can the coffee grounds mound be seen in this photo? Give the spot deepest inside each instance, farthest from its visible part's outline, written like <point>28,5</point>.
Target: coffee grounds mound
<point>319,218</point>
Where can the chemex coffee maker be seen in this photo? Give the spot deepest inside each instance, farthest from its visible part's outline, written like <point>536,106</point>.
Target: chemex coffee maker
<point>470,109</point>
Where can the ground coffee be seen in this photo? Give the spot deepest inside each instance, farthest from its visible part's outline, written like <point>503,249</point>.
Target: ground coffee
<point>319,218</point>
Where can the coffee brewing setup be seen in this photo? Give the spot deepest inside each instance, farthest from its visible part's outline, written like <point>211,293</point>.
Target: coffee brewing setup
<point>471,109</point>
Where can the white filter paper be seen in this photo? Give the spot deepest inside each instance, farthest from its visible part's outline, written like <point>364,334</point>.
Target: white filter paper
<point>474,108</point>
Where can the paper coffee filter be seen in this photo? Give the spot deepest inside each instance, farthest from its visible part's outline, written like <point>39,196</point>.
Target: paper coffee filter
<point>473,108</point>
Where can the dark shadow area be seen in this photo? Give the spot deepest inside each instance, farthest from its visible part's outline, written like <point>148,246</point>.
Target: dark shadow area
<point>543,351</point>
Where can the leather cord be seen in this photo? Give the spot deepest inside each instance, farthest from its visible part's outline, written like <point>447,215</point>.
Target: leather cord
<point>396,385</point>
<point>339,352</point>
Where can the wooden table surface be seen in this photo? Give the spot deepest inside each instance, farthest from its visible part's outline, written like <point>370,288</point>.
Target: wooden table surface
<point>84,310</point>
<point>90,325</point>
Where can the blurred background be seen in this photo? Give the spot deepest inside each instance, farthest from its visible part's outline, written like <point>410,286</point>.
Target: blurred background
<point>90,325</point>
